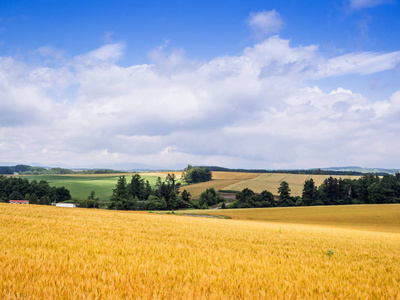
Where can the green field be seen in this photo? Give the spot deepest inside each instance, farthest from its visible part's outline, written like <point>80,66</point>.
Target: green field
<point>80,186</point>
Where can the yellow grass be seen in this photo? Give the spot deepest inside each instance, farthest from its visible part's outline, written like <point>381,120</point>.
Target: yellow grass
<point>220,181</point>
<point>370,217</point>
<point>163,174</point>
<point>271,182</point>
<point>56,253</point>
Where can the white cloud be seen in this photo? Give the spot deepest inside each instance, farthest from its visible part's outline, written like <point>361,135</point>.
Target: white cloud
<point>359,63</point>
<point>254,110</point>
<point>265,23</point>
<point>106,53</point>
<point>357,4</point>
<point>50,51</point>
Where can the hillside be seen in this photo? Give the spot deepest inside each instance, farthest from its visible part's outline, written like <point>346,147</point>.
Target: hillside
<point>235,181</point>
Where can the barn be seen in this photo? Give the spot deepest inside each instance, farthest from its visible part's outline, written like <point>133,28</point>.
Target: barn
<point>19,201</point>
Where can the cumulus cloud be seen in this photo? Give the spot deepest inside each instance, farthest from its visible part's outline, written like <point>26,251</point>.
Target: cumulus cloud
<point>255,110</point>
<point>265,23</point>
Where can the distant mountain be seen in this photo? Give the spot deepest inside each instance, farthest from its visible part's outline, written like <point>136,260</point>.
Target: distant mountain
<point>130,166</point>
<point>363,170</point>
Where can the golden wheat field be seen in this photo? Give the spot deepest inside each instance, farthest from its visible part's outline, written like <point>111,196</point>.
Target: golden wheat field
<point>271,182</point>
<point>369,217</point>
<point>60,253</point>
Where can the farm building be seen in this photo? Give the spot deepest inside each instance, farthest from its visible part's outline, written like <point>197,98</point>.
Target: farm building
<point>19,201</point>
<point>65,205</point>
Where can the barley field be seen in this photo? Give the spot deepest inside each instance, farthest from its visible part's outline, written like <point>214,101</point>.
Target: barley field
<point>60,253</point>
<point>220,181</point>
<point>368,217</point>
<point>271,182</point>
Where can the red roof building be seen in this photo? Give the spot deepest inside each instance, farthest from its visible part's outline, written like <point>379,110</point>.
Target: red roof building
<point>19,201</point>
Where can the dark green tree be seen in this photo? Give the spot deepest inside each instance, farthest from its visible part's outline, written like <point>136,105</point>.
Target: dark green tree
<point>155,203</point>
<point>267,199</point>
<point>92,201</point>
<point>33,199</point>
<point>120,194</point>
<point>209,197</point>
<point>284,198</point>
<point>310,192</point>
<point>196,174</point>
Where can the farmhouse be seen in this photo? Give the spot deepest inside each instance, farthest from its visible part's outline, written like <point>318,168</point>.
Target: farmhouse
<point>65,205</point>
<point>19,201</point>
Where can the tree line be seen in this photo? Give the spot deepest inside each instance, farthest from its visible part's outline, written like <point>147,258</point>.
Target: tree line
<point>316,171</point>
<point>368,189</point>
<point>138,194</point>
<point>12,188</point>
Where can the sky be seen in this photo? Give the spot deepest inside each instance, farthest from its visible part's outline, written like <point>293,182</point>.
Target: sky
<point>239,84</point>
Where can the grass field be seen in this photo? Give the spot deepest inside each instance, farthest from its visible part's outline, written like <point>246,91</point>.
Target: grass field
<point>60,253</point>
<point>271,182</point>
<point>80,186</point>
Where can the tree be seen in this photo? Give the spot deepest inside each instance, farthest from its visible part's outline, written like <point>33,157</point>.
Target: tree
<point>171,179</point>
<point>172,201</point>
<point>45,200</point>
<point>310,192</point>
<point>15,196</point>
<point>92,201</point>
<point>209,197</point>
<point>155,203</point>
<point>284,198</point>
<point>33,199</point>
<point>120,194</point>
<point>267,199</point>
<point>136,187</point>
<point>186,196</point>
<point>183,201</point>
<point>61,194</point>
<point>196,174</point>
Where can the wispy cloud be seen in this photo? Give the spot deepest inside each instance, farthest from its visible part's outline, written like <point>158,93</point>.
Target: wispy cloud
<point>359,63</point>
<point>358,4</point>
<point>106,53</point>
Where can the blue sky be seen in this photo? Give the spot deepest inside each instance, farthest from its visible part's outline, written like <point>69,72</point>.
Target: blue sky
<point>252,84</point>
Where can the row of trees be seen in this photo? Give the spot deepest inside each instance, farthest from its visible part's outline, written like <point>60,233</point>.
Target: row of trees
<point>166,195</point>
<point>138,194</point>
<point>12,188</point>
<point>299,171</point>
<point>247,198</point>
<point>10,170</point>
<point>368,189</point>
<point>29,170</point>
